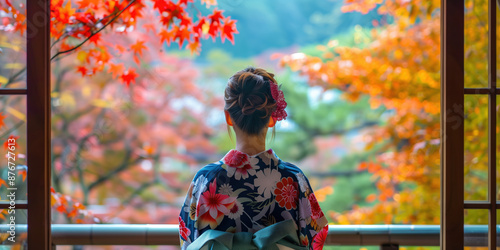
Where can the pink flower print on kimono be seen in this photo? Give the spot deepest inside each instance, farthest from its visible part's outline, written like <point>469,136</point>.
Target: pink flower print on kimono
<point>246,193</point>
<point>212,207</point>
<point>183,230</point>
<point>240,165</point>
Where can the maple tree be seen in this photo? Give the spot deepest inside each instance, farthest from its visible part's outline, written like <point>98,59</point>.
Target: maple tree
<point>87,22</point>
<point>398,67</point>
<point>118,146</point>
<point>108,43</point>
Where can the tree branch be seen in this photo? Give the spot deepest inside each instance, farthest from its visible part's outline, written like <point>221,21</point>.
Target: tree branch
<point>6,133</point>
<point>13,77</point>
<point>120,168</point>
<point>94,33</point>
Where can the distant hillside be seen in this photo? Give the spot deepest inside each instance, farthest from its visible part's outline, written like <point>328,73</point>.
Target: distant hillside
<point>266,24</point>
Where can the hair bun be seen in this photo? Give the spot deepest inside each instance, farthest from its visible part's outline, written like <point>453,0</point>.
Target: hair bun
<point>251,103</point>
<point>249,100</point>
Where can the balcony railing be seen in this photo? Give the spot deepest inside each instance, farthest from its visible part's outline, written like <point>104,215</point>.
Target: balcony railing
<point>386,236</point>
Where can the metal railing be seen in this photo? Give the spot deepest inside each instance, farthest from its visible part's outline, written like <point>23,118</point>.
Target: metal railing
<point>387,236</point>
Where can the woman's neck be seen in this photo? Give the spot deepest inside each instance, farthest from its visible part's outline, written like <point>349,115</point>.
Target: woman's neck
<point>250,144</point>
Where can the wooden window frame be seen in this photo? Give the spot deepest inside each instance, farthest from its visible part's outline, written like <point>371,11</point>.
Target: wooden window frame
<point>452,125</point>
<point>38,132</point>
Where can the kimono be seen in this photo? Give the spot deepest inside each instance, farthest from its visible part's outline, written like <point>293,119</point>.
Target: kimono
<point>242,193</point>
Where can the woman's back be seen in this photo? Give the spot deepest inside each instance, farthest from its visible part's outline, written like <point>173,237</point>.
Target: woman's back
<point>243,193</point>
<point>250,188</point>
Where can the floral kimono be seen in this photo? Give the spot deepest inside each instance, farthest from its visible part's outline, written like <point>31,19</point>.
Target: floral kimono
<point>243,193</point>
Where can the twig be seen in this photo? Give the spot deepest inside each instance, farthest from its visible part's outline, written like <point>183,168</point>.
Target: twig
<point>6,133</point>
<point>13,77</point>
<point>93,34</point>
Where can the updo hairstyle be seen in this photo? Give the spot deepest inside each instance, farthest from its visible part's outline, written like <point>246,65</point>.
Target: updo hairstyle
<point>249,100</point>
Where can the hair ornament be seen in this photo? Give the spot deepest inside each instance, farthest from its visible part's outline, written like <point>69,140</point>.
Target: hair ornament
<point>280,113</point>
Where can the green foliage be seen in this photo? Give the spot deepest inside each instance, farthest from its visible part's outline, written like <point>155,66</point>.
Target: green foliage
<point>326,114</point>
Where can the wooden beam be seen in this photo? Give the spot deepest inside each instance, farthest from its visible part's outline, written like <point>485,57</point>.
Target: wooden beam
<point>452,124</point>
<point>38,123</point>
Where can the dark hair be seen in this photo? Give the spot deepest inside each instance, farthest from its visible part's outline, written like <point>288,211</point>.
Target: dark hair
<point>249,100</point>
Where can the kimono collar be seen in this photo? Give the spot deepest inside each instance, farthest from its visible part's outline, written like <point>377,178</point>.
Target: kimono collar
<point>237,159</point>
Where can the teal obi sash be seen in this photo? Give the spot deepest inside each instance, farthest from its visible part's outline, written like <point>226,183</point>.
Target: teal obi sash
<point>281,235</point>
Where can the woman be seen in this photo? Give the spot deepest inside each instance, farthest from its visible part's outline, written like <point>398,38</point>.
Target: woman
<point>251,188</point>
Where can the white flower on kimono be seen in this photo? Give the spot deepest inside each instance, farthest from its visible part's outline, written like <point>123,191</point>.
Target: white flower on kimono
<point>304,212</point>
<point>226,189</point>
<point>254,161</point>
<point>302,182</point>
<point>242,172</point>
<point>236,211</point>
<point>200,186</point>
<point>267,156</point>
<point>266,181</point>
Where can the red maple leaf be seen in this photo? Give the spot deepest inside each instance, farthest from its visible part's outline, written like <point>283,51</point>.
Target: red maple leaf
<point>86,3</point>
<point>228,29</point>
<point>82,69</point>
<point>213,30</point>
<point>1,119</point>
<point>185,2</point>
<point>216,15</point>
<point>194,46</point>
<point>61,209</point>
<point>3,182</point>
<point>182,34</point>
<point>149,26</point>
<point>116,69</point>
<point>6,144</point>
<point>166,20</point>
<point>185,20</point>
<point>95,38</point>
<point>198,27</point>
<point>175,10</point>
<point>167,35</point>
<point>23,173</point>
<point>120,48</point>
<point>138,47</point>
<point>161,5</point>
<point>103,56</point>
<point>73,213</point>
<point>129,76</point>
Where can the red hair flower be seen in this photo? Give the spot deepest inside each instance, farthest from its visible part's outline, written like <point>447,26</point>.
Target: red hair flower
<point>280,113</point>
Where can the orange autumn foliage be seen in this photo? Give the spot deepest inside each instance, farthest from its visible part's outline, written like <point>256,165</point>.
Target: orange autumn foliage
<point>399,68</point>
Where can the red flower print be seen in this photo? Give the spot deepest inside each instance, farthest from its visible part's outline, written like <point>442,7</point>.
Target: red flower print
<point>183,230</point>
<point>213,206</point>
<point>235,158</point>
<point>286,193</point>
<point>315,209</point>
<point>320,238</point>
